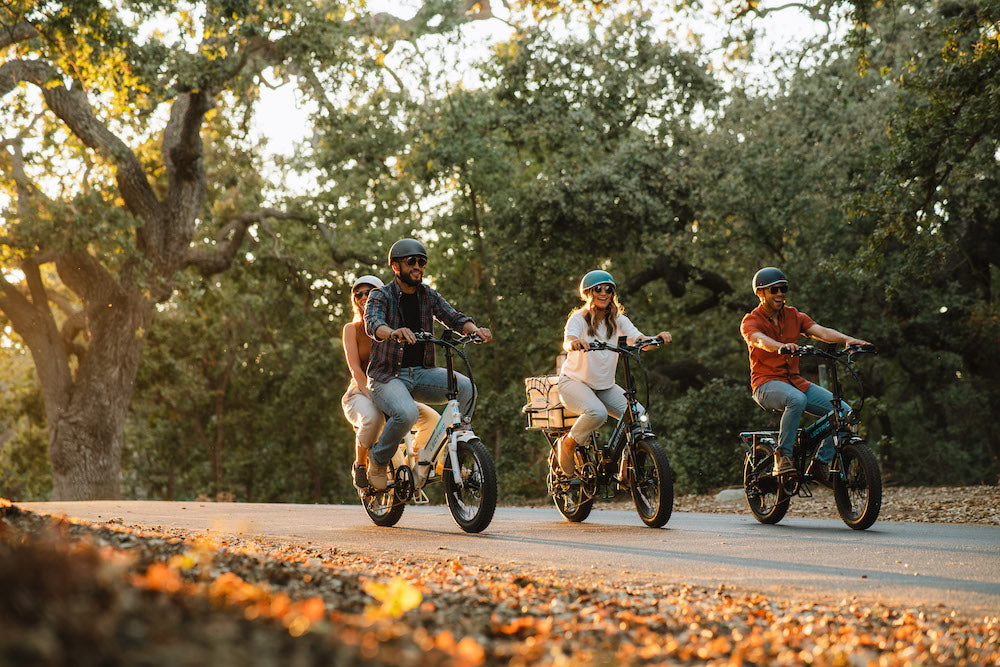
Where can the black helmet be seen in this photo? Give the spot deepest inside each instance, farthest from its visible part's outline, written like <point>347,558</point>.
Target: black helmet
<point>406,248</point>
<point>766,277</point>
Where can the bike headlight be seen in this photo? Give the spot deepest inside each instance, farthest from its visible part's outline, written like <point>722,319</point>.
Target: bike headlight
<point>644,418</point>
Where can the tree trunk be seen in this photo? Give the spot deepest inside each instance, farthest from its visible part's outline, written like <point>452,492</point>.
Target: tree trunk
<point>86,423</point>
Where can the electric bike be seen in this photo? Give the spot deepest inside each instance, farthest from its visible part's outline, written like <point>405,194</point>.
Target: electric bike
<point>853,474</point>
<point>453,455</point>
<point>630,460</point>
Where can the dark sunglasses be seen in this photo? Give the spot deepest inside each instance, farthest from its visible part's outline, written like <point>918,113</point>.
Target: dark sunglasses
<point>416,260</point>
<point>362,293</point>
<point>604,289</point>
<point>778,288</point>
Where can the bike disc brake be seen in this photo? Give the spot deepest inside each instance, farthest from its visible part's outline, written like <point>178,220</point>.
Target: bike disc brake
<point>403,483</point>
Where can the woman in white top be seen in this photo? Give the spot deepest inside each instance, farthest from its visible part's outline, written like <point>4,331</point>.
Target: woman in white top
<point>587,380</point>
<point>359,409</point>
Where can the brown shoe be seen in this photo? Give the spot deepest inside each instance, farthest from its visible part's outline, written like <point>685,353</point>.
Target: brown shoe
<point>378,476</point>
<point>566,456</point>
<point>360,474</point>
<point>782,464</point>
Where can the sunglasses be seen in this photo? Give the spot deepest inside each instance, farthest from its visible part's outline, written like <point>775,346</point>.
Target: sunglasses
<point>416,260</point>
<point>604,289</point>
<point>362,294</point>
<point>778,288</point>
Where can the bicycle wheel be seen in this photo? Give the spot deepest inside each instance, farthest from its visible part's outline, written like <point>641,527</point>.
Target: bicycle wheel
<point>858,487</point>
<point>571,500</point>
<point>473,502</point>
<point>652,483</point>
<point>383,508</point>
<point>766,499</point>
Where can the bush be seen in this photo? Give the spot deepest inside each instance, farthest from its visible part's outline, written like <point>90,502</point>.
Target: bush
<point>701,434</point>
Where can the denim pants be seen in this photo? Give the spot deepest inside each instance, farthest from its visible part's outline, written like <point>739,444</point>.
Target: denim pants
<point>397,399</point>
<point>593,405</point>
<point>783,397</point>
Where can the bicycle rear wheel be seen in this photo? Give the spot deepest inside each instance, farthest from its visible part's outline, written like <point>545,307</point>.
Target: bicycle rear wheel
<point>571,499</point>
<point>767,500</point>
<point>652,483</point>
<point>858,487</point>
<point>473,502</point>
<point>384,508</point>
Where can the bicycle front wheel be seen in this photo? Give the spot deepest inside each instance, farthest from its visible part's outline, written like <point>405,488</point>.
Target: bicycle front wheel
<point>473,500</point>
<point>858,486</point>
<point>652,483</point>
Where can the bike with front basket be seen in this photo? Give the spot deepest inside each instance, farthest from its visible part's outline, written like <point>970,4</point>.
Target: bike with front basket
<point>854,473</point>
<point>631,459</point>
<point>453,455</point>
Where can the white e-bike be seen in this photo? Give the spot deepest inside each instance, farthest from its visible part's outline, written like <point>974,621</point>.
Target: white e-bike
<point>453,454</point>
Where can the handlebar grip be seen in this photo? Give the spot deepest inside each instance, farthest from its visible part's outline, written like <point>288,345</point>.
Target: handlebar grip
<point>784,350</point>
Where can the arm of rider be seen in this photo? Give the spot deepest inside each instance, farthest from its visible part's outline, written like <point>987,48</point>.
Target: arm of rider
<point>757,339</point>
<point>471,328</point>
<point>828,335</point>
<point>402,334</point>
<point>571,343</point>
<point>350,342</point>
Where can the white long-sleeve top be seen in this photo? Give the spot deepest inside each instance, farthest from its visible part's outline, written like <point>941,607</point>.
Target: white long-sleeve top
<point>595,369</point>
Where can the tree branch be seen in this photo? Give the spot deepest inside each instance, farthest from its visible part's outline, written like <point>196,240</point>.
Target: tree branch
<point>73,108</point>
<point>209,262</point>
<point>18,32</point>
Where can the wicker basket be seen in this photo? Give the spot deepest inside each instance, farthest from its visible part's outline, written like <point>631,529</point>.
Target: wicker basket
<point>544,408</point>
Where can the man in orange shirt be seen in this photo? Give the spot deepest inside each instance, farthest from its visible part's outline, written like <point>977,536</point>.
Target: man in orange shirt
<point>769,329</point>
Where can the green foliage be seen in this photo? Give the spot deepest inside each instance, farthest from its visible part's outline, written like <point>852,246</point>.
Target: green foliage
<point>24,469</point>
<point>700,434</point>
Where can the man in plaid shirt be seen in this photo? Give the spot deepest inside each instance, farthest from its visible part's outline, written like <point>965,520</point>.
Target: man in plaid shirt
<point>401,370</point>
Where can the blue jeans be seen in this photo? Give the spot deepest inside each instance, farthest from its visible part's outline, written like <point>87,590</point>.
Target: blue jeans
<point>397,399</point>
<point>783,397</point>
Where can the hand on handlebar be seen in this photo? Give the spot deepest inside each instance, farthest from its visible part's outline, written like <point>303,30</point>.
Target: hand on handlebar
<point>481,335</point>
<point>788,348</point>
<point>577,344</point>
<point>403,335</point>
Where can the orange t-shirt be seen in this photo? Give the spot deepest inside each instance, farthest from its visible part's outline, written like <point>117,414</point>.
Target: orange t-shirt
<point>766,366</point>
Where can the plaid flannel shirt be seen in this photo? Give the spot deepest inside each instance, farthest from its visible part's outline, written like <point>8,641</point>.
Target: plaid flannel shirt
<point>383,309</point>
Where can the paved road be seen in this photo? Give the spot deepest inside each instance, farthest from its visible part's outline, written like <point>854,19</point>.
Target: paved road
<point>908,563</point>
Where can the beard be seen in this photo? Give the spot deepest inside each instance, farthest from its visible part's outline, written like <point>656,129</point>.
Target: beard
<point>405,277</point>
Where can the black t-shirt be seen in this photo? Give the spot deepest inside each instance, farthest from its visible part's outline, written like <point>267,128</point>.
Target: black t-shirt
<point>413,355</point>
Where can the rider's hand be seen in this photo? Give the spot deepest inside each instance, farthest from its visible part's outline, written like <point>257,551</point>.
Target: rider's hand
<point>856,341</point>
<point>665,335</point>
<point>788,348</point>
<point>403,335</point>
<point>483,333</point>
<point>577,344</point>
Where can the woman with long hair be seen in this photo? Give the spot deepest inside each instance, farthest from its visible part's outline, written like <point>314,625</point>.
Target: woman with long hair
<point>587,379</point>
<point>359,408</point>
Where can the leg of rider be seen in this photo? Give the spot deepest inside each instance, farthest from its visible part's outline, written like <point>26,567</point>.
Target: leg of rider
<point>426,422</point>
<point>367,421</point>
<point>778,395</point>
<point>616,403</point>
<point>581,399</point>
<point>430,385</point>
<point>393,398</point>
<point>818,404</point>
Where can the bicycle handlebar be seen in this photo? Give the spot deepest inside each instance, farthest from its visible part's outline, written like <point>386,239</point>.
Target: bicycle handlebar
<point>427,337</point>
<point>809,350</point>
<point>639,345</point>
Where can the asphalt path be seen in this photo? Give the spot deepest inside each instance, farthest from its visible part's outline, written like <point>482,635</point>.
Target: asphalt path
<point>954,565</point>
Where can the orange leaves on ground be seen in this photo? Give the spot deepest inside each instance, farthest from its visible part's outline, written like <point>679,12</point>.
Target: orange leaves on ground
<point>160,577</point>
<point>466,653</point>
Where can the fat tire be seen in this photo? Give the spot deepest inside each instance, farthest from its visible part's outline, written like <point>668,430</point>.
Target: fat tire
<point>383,516</point>
<point>648,450</point>
<point>767,500</point>
<point>475,452</point>
<point>568,506</point>
<point>861,472</point>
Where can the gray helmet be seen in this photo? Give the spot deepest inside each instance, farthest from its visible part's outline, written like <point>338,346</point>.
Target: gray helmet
<point>406,248</point>
<point>374,281</point>
<point>766,277</point>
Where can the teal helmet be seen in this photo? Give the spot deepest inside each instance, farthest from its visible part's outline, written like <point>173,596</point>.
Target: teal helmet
<point>594,278</point>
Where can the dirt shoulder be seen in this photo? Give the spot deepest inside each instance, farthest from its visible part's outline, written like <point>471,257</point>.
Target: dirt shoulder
<point>932,504</point>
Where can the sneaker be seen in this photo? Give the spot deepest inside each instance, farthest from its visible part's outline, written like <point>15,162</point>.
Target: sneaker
<point>782,464</point>
<point>820,472</point>
<point>360,476</point>
<point>378,476</point>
